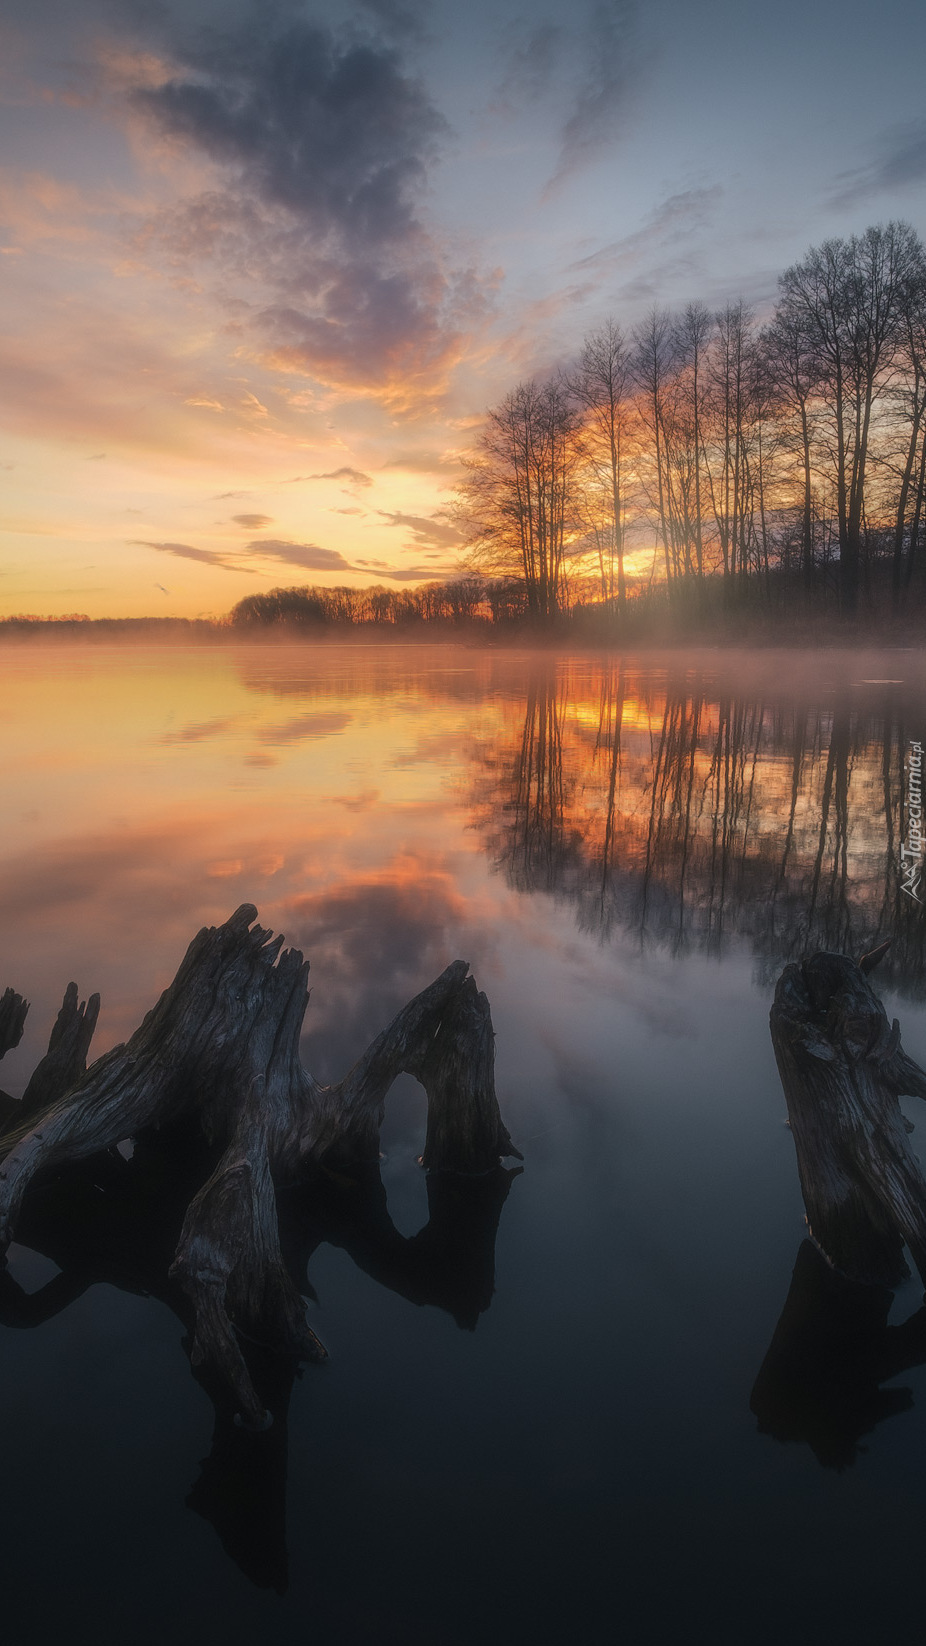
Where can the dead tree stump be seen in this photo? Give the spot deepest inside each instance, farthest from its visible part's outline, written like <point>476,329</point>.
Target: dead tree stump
<point>843,1069</point>
<point>221,1050</point>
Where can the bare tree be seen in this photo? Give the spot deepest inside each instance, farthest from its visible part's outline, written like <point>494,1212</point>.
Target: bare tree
<point>788,353</point>
<point>653,361</point>
<point>515,502</point>
<point>602,384</point>
<point>850,296</point>
<point>691,337</point>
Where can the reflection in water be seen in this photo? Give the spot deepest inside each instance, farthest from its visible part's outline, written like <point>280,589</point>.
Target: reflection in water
<point>691,813</point>
<point>832,1349</point>
<point>117,1221</point>
<point>698,806</point>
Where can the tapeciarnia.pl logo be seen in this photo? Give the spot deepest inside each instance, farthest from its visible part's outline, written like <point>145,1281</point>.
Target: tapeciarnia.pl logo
<point>911,852</point>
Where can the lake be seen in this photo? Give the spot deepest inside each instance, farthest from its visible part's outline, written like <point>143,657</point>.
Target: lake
<point>573,1446</point>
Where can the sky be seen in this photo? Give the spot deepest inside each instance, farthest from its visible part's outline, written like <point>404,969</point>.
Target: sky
<point>264,267</point>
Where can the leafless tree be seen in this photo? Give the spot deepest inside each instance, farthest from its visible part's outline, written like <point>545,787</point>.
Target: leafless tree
<point>515,500</point>
<point>602,384</point>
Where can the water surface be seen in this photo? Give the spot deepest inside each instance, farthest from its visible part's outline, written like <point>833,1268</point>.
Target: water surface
<point>626,851</point>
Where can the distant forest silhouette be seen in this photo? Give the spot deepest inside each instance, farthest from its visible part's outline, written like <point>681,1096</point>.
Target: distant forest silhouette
<point>693,474</point>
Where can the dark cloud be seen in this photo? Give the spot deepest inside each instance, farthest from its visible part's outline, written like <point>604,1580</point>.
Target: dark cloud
<point>899,162</point>
<point>336,133</point>
<point>253,522</point>
<point>186,551</point>
<point>307,555</point>
<point>325,142</point>
<point>427,532</point>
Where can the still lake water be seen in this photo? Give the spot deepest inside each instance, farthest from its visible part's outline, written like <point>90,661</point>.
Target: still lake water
<point>627,852</point>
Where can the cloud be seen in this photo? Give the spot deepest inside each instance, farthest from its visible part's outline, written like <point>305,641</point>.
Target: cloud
<point>585,71</point>
<point>899,162</point>
<point>356,477</point>
<point>534,51</point>
<point>609,77</point>
<point>253,522</point>
<point>418,461</point>
<point>307,555</point>
<point>421,574</point>
<point>654,249</point>
<point>186,551</point>
<point>322,146</point>
<point>339,135</point>
<point>427,532</point>
<point>400,18</point>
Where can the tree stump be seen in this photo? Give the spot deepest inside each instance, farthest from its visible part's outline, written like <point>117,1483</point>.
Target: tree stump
<point>219,1053</point>
<point>843,1069</point>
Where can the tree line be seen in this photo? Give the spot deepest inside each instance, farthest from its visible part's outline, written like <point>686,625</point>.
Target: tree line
<point>715,450</point>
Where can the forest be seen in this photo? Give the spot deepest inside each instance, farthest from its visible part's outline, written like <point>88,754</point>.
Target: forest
<point>698,462</point>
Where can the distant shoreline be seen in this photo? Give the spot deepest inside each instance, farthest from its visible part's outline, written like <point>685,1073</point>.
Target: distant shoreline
<point>832,634</point>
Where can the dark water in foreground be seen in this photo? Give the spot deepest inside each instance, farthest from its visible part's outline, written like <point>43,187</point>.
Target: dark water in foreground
<point>627,855</point>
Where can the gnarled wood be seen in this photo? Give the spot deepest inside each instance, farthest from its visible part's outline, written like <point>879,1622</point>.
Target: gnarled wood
<point>66,1059</point>
<point>13,1009</point>
<point>843,1068</point>
<point>221,1049</point>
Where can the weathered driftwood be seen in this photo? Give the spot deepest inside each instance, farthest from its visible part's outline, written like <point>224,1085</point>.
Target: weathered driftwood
<point>843,1069</point>
<point>221,1049</point>
<point>13,1009</point>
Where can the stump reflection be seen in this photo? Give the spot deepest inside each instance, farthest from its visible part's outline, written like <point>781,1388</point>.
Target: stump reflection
<point>821,1380</point>
<point>116,1221</point>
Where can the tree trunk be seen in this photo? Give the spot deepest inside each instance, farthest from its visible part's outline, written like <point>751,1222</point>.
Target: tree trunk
<point>221,1049</point>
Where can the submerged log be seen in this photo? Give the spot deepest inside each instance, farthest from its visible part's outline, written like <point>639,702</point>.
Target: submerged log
<point>220,1052</point>
<point>843,1069</point>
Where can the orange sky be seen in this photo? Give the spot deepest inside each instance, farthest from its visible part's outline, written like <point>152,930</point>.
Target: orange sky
<point>261,276</point>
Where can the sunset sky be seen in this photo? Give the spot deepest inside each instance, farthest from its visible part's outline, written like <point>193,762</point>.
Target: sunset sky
<point>264,266</point>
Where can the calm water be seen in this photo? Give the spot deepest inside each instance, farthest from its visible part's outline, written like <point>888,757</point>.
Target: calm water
<point>626,853</point>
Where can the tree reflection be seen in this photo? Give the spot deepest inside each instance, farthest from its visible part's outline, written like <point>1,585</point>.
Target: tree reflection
<point>696,816</point>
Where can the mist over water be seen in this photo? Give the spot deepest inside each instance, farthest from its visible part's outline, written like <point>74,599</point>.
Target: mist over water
<point>627,851</point>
